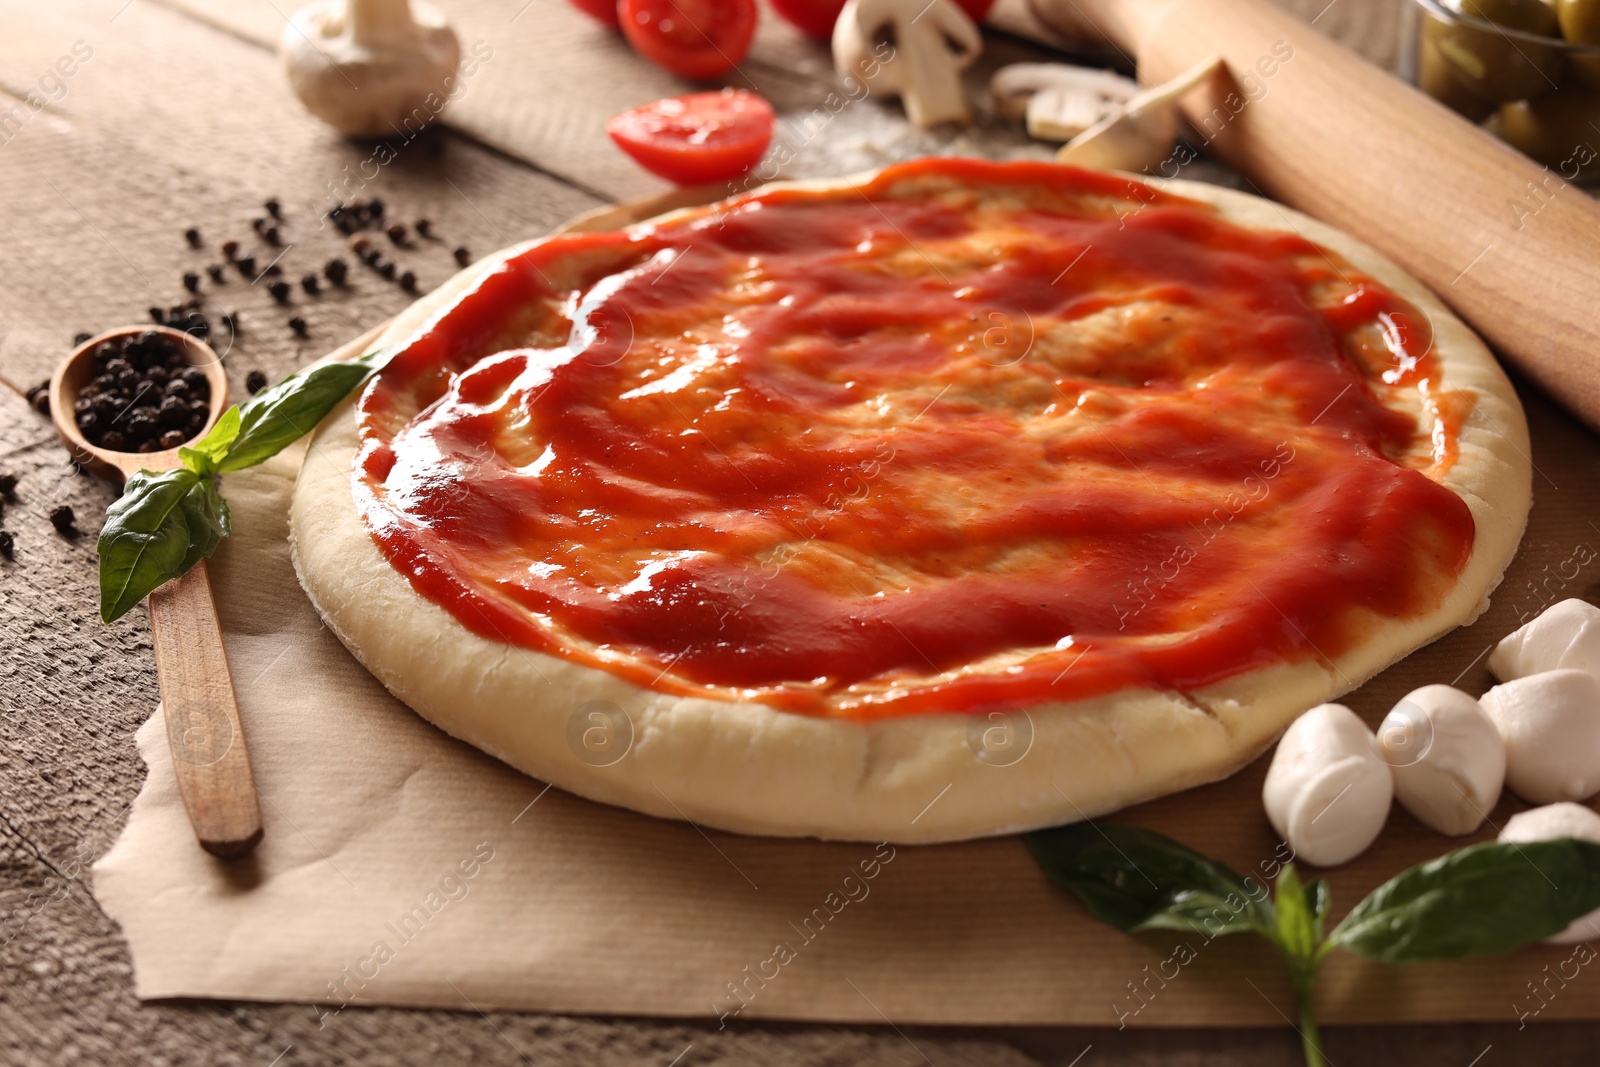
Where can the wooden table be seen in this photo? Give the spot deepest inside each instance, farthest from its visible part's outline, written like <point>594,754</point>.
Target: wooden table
<point>178,118</point>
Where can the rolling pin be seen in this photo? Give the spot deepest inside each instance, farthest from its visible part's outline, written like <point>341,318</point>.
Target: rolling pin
<point>1507,243</point>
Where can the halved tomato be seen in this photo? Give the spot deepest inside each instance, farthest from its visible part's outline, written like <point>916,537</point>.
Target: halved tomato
<point>604,10</point>
<point>694,39</point>
<point>699,138</point>
<point>815,18</point>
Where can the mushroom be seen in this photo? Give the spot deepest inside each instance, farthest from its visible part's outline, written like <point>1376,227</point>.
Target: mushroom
<point>914,48</point>
<point>1058,100</point>
<point>1142,132</point>
<point>1446,756</point>
<point>1548,823</point>
<point>364,66</point>
<point>1566,635</point>
<point>1328,790</point>
<point>1550,723</point>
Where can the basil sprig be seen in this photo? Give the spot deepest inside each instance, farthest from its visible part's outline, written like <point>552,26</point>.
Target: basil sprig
<point>164,523</point>
<point>1483,899</point>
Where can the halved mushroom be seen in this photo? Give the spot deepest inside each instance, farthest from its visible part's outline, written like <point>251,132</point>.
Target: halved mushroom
<point>1141,134</point>
<point>914,48</point>
<point>1058,100</point>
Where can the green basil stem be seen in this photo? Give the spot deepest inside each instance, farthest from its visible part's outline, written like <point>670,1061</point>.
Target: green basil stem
<point>1304,977</point>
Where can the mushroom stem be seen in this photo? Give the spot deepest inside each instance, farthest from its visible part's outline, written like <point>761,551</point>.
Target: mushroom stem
<point>930,81</point>
<point>375,23</point>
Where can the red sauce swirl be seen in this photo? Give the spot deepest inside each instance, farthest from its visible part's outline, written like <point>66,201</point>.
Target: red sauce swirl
<point>971,436</point>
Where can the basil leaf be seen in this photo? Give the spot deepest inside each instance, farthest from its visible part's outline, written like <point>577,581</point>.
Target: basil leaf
<point>1298,925</point>
<point>1136,879</point>
<point>1482,899</point>
<point>210,450</point>
<point>275,418</point>
<point>162,525</point>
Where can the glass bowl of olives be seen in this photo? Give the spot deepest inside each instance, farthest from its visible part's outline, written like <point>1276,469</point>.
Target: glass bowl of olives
<point>1528,69</point>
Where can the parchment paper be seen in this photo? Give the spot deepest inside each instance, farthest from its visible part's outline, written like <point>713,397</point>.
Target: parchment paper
<point>401,867</point>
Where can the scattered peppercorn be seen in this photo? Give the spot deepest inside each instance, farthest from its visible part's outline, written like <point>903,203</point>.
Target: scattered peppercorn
<point>158,316</point>
<point>230,249</point>
<point>397,233</point>
<point>298,325</point>
<point>142,388</point>
<point>8,486</point>
<point>247,266</point>
<point>270,235</point>
<point>408,281</point>
<point>39,397</point>
<point>372,257</point>
<point>215,270</point>
<point>463,257</point>
<point>279,291</point>
<point>272,270</point>
<point>359,244</point>
<point>192,235</point>
<point>63,519</point>
<point>8,545</point>
<point>79,338</point>
<point>230,319</point>
<point>310,284</point>
<point>191,281</point>
<point>375,208</point>
<point>274,208</point>
<point>423,227</point>
<point>387,269</point>
<point>254,382</point>
<point>336,271</point>
<point>257,224</point>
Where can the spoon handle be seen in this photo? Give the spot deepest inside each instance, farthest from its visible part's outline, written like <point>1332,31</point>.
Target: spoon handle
<point>203,727</point>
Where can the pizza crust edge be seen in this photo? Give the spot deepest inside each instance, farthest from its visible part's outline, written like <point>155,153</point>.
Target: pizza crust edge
<point>751,769</point>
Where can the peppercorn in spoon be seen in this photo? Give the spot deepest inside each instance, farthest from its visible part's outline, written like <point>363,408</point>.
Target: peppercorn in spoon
<point>122,402</point>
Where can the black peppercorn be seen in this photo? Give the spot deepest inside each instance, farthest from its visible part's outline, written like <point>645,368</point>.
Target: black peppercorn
<point>148,446</point>
<point>39,398</point>
<point>387,269</point>
<point>8,486</point>
<point>158,316</point>
<point>174,412</point>
<point>408,281</point>
<point>298,325</point>
<point>279,291</point>
<point>173,438</point>
<point>372,257</point>
<point>115,440</point>
<point>192,235</point>
<point>274,208</point>
<point>396,232</point>
<point>336,271</point>
<point>8,545</point>
<point>80,338</point>
<point>215,270</point>
<point>230,249</point>
<point>270,235</point>
<point>254,382</point>
<point>272,270</point>
<point>62,519</point>
<point>196,378</point>
<point>191,281</point>
<point>375,208</point>
<point>423,227</point>
<point>310,284</point>
<point>178,387</point>
<point>360,244</point>
<point>230,319</point>
<point>256,224</point>
<point>247,266</point>
<point>463,257</point>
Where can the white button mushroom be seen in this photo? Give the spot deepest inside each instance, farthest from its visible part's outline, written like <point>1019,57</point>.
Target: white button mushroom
<point>1552,821</point>
<point>932,42</point>
<point>1328,790</point>
<point>1059,100</point>
<point>1142,132</point>
<point>1446,756</point>
<point>1567,635</point>
<point>366,66</point>
<point>1550,723</point>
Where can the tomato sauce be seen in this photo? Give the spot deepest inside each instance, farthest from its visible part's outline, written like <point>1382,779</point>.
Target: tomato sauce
<point>971,436</point>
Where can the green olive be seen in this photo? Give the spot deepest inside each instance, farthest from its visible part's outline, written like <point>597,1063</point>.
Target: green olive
<point>1437,77</point>
<point>1491,64</point>
<point>1560,130</point>
<point>1580,23</point>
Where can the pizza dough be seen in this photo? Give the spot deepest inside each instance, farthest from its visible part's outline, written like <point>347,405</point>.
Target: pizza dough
<point>744,766</point>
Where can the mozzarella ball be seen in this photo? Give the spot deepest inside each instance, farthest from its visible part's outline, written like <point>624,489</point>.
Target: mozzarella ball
<point>1552,821</point>
<point>1567,635</point>
<point>1328,790</point>
<point>1446,756</point>
<point>1550,723</point>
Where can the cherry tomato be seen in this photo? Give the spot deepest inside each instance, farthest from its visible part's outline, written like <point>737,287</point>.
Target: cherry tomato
<point>815,18</point>
<point>699,138</point>
<point>604,10</point>
<point>694,39</point>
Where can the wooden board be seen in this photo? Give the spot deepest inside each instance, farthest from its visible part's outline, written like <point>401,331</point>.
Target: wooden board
<point>175,123</point>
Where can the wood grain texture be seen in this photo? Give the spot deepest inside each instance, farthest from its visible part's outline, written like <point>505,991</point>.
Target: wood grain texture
<point>176,123</point>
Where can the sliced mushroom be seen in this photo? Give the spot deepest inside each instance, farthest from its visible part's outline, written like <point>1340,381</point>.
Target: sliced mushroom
<point>367,66</point>
<point>1058,100</point>
<point>1140,134</point>
<point>1565,635</point>
<point>916,49</point>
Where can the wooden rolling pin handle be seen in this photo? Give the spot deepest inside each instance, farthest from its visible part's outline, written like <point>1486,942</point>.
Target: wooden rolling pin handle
<point>1506,242</point>
<point>202,713</point>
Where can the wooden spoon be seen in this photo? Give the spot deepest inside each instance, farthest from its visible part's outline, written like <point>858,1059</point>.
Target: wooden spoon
<point>203,727</point>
